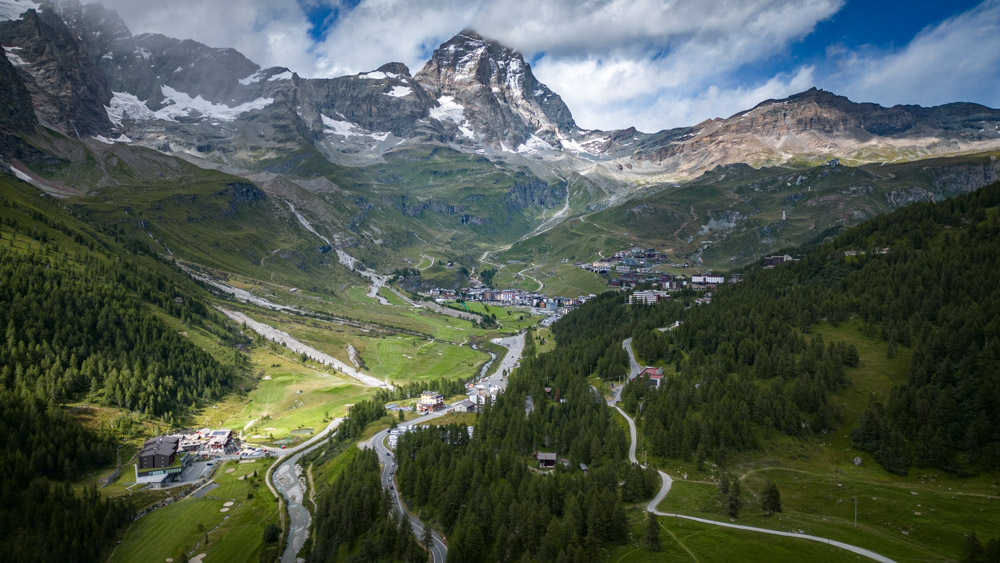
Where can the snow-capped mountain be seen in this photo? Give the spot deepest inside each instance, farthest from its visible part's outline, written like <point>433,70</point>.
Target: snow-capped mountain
<point>487,93</point>
<point>88,76</point>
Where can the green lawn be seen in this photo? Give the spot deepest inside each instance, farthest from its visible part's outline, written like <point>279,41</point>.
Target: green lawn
<point>234,535</point>
<point>684,540</point>
<point>409,358</point>
<point>294,396</point>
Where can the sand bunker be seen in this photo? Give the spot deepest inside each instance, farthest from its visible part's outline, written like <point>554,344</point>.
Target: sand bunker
<point>197,558</point>
<point>230,470</point>
<point>224,509</point>
<point>228,503</point>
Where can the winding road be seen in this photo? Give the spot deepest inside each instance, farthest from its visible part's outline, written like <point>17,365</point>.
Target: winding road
<point>668,481</point>
<point>439,550</point>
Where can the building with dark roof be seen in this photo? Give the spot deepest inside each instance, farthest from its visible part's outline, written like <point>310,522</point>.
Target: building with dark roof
<point>159,460</point>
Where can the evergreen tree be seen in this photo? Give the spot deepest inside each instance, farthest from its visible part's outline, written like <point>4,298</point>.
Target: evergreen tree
<point>771,501</point>
<point>652,532</point>
<point>733,501</point>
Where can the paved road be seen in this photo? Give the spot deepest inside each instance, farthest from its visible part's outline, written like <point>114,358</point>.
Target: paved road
<point>633,371</point>
<point>439,550</point>
<point>287,480</point>
<point>668,481</point>
<point>515,347</point>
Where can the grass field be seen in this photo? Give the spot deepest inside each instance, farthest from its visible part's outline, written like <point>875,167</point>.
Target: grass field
<point>182,527</point>
<point>408,358</point>
<point>513,319</point>
<point>920,517</point>
<point>683,540</point>
<point>292,394</point>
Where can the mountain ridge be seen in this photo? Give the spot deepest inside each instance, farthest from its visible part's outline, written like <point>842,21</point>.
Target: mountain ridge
<point>473,94</point>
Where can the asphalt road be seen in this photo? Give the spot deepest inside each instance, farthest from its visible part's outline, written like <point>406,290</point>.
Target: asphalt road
<point>439,550</point>
<point>515,347</point>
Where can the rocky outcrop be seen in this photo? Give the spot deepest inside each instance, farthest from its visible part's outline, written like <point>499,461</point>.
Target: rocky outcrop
<point>817,125</point>
<point>487,92</point>
<point>16,112</point>
<point>67,90</point>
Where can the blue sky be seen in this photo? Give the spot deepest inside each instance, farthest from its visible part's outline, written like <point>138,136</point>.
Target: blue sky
<point>652,64</point>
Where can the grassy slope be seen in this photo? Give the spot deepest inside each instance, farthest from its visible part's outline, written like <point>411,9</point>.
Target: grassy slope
<point>920,517</point>
<point>676,220</point>
<point>178,527</point>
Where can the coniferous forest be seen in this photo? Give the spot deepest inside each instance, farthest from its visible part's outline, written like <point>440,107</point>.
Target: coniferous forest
<point>925,276</point>
<point>81,314</point>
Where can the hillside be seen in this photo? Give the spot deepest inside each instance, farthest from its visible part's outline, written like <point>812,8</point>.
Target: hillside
<point>90,316</point>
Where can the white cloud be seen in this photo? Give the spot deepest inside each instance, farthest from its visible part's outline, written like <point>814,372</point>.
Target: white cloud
<point>648,63</point>
<point>268,32</point>
<point>956,60</point>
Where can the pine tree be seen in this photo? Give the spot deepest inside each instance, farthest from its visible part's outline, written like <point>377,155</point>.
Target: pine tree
<point>734,503</point>
<point>428,541</point>
<point>652,532</point>
<point>772,498</point>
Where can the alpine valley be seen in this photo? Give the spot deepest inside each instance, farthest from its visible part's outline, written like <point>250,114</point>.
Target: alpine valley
<point>188,240</point>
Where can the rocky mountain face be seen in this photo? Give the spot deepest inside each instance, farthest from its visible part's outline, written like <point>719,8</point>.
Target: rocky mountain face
<point>817,125</point>
<point>88,76</point>
<point>487,93</point>
<point>67,89</point>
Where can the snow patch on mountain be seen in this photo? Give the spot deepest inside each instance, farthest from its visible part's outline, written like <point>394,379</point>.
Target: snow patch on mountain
<point>287,75</point>
<point>534,144</point>
<point>348,129</point>
<point>255,77</point>
<point>450,110</point>
<point>12,9</point>
<point>399,91</point>
<point>183,105</point>
<point>13,57</point>
<point>125,105</point>
<point>123,138</point>
<point>378,75</point>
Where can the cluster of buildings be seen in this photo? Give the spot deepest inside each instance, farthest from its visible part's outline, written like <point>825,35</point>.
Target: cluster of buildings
<point>395,433</point>
<point>632,260</point>
<point>207,442</point>
<point>506,298</point>
<point>164,458</point>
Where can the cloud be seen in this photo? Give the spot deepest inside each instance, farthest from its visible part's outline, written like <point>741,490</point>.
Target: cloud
<point>956,60</point>
<point>628,57</point>
<point>652,64</point>
<point>268,32</point>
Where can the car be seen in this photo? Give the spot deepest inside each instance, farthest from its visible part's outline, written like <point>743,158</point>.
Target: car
<point>392,488</point>
<point>283,446</point>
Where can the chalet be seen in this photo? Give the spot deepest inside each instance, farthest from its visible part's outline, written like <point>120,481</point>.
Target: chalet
<point>546,460</point>
<point>654,374</point>
<point>220,441</point>
<point>465,406</point>
<point>430,401</point>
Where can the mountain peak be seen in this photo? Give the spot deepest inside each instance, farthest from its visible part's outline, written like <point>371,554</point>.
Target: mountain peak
<point>502,100</point>
<point>394,68</point>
